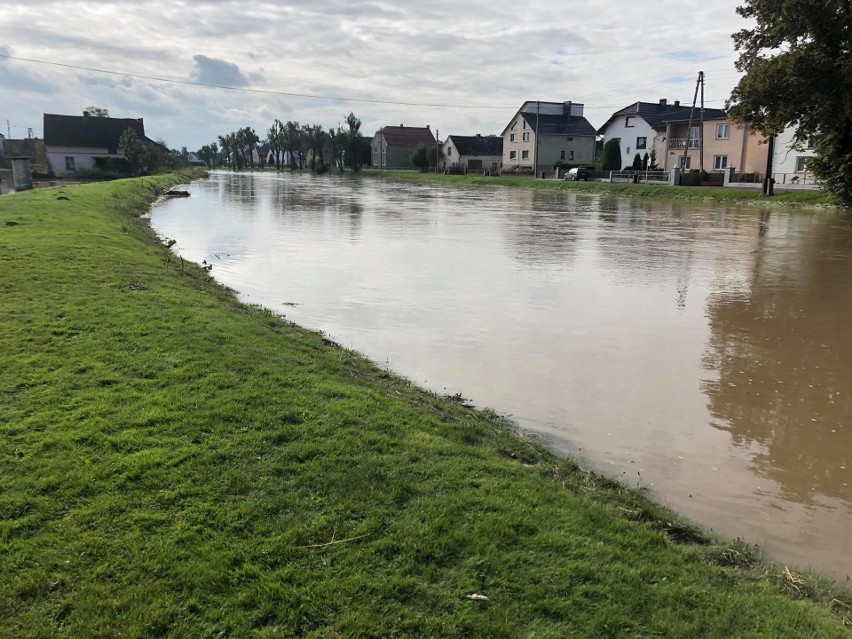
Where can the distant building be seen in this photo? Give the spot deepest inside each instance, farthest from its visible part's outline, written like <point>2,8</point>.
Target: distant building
<point>393,145</point>
<point>542,133</point>
<point>473,153</point>
<point>82,143</point>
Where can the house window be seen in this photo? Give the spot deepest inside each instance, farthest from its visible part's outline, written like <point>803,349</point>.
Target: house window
<point>812,141</point>
<point>525,155</point>
<point>511,137</point>
<point>514,124</point>
<point>525,124</point>
<point>570,155</point>
<point>720,162</point>
<point>562,155</point>
<point>449,151</point>
<point>801,165</point>
<point>69,163</point>
<point>681,164</point>
<point>570,139</point>
<point>628,121</point>
<point>526,136</point>
<point>641,143</point>
<point>723,131</point>
<point>513,155</point>
<point>694,134</point>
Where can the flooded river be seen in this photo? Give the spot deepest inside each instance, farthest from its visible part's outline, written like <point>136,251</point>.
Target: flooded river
<point>701,351</point>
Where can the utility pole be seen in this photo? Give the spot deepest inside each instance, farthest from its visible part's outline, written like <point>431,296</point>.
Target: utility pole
<point>691,120</point>
<point>382,149</point>
<point>768,187</point>
<point>437,135</point>
<point>701,130</point>
<point>8,130</point>
<point>535,150</point>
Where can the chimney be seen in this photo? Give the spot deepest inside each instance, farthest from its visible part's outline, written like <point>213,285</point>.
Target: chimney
<point>427,128</point>
<point>479,135</point>
<point>401,125</point>
<point>566,108</point>
<point>677,102</point>
<point>664,102</point>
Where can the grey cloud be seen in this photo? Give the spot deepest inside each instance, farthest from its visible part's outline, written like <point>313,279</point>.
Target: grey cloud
<point>216,71</point>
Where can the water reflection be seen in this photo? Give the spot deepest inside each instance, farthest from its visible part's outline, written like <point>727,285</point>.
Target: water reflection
<point>695,350</point>
<point>783,358</point>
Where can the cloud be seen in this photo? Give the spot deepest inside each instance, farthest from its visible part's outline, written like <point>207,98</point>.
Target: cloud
<point>216,71</point>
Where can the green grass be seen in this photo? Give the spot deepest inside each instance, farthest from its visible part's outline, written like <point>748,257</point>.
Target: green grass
<point>172,462</point>
<point>730,195</point>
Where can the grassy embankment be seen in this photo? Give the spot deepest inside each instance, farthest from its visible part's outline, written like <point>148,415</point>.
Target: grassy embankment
<point>717,194</point>
<point>175,463</point>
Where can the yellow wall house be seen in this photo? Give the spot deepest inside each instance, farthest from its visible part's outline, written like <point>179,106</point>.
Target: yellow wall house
<point>726,143</point>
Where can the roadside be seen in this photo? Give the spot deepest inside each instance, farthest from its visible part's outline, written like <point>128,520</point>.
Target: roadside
<point>176,463</point>
<point>715,194</point>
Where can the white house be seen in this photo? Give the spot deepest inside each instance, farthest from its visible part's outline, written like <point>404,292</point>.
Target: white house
<point>82,143</point>
<point>641,128</point>
<point>475,153</point>
<point>789,162</point>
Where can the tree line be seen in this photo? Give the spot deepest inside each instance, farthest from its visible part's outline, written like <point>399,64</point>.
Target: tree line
<point>291,146</point>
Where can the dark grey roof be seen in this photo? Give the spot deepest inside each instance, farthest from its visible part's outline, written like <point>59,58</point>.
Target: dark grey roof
<point>407,135</point>
<point>88,131</point>
<point>477,144</point>
<point>657,115</point>
<point>560,124</point>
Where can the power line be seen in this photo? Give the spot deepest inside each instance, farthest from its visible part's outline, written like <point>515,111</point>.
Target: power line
<point>607,95</point>
<point>251,90</point>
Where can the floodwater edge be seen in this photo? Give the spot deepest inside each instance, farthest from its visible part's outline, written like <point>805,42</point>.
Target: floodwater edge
<point>490,446</point>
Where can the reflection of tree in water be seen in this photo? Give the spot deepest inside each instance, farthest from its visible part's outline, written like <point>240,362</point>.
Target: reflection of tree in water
<point>240,188</point>
<point>783,357</point>
<point>544,227</point>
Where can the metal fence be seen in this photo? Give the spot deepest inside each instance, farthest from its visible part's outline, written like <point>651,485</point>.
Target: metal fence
<point>640,177</point>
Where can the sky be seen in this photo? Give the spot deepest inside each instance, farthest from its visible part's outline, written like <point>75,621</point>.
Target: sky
<point>462,67</point>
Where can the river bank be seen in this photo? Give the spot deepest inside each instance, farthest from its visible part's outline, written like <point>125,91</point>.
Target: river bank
<point>729,195</point>
<point>175,462</point>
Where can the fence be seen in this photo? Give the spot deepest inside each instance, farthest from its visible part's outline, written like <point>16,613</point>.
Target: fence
<point>794,179</point>
<point>640,177</point>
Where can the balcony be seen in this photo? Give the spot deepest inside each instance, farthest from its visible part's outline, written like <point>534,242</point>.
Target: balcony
<point>680,143</point>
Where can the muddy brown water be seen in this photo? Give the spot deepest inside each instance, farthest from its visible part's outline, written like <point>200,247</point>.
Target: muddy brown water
<point>697,350</point>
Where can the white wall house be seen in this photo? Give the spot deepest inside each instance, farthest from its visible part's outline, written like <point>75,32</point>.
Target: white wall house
<point>789,163</point>
<point>474,153</point>
<point>83,143</point>
<point>641,128</point>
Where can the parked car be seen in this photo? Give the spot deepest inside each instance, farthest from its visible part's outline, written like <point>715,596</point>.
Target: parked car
<point>577,173</point>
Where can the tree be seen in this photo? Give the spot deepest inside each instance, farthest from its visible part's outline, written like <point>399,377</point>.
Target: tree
<point>646,160</point>
<point>96,112</point>
<point>637,162</point>
<point>611,156</point>
<point>276,139</point>
<point>423,157</point>
<point>353,142</point>
<point>134,151</point>
<point>652,161</point>
<point>798,72</point>
<point>293,143</point>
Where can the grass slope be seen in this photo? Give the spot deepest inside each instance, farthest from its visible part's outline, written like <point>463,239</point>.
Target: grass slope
<point>730,195</point>
<point>176,464</point>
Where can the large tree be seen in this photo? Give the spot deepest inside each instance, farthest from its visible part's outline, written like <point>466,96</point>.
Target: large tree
<point>611,155</point>
<point>353,142</point>
<point>798,72</point>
